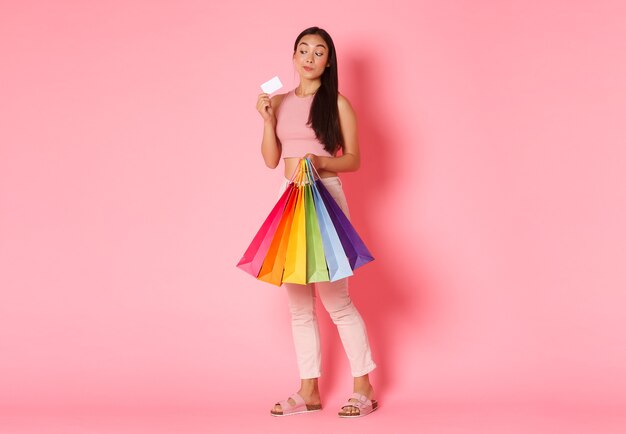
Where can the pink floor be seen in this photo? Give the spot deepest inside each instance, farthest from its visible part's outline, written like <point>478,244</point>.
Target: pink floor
<point>252,417</point>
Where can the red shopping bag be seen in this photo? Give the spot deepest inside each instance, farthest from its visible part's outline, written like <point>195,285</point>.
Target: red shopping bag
<point>255,254</point>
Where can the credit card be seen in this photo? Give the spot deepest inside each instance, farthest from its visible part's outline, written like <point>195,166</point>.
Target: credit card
<point>271,85</point>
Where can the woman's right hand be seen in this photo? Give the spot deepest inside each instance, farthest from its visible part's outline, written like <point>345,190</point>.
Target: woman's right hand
<point>264,106</point>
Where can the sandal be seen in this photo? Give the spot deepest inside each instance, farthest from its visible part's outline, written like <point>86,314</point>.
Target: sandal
<point>300,407</point>
<point>364,405</point>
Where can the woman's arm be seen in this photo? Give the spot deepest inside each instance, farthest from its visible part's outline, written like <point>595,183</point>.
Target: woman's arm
<point>270,145</point>
<point>350,161</point>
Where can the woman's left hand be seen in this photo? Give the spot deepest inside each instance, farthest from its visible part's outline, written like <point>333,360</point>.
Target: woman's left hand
<point>316,161</point>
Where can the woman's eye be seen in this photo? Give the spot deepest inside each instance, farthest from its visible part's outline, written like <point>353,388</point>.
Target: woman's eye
<point>319,54</point>
<point>302,52</point>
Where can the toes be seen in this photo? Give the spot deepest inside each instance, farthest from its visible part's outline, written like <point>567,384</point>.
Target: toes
<point>278,408</point>
<point>350,410</point>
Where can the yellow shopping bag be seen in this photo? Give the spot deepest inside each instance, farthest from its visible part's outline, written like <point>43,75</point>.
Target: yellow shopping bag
<point>295,262</point>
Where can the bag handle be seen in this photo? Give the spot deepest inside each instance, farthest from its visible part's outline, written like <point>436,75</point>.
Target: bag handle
<point>301,173</point>
<point>305,173</point>
<point>296,173</point>
<point>312,171</point>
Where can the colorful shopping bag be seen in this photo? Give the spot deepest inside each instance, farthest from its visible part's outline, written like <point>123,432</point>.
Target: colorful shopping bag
<point>353,245</point>
<point>316,268</point>
<point>252,259</point>
<point>306,237</point>
<point>274,262</point>
<point>295,261</point>
<point>336,259</point>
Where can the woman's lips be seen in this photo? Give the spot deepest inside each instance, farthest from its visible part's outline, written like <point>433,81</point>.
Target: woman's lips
<point>307,68</point>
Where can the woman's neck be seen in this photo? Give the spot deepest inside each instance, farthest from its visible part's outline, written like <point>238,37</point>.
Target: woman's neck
<point>307,88</point>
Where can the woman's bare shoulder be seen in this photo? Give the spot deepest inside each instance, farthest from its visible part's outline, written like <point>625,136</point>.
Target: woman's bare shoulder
<point>343,104</point>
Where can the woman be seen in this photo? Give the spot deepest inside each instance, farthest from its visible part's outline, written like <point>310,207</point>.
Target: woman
<point>315,121</point>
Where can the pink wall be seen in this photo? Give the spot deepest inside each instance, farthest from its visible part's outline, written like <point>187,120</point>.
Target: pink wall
<point>492,194</point>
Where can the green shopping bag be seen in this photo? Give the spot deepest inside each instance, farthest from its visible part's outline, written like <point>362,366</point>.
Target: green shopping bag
<point>316,269</point>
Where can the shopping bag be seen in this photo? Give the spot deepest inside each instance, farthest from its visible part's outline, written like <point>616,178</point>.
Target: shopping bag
<point>306,237</point>
<point>336,259</point>
<point>296,260</point>
<point>252,259</point>
<point>274,262</point>
<point>316,268</point>
<point>353,246</point>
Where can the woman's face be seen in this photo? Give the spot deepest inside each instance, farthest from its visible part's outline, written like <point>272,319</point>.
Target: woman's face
<point>311,56</point>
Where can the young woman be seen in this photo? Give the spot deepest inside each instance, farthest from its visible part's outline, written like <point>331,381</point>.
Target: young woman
<point>315,121</point>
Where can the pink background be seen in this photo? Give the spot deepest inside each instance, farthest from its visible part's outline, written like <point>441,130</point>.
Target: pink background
<point>492,193</point>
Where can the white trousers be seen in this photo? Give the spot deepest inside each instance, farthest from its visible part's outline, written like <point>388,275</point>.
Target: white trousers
<point>336,300</point>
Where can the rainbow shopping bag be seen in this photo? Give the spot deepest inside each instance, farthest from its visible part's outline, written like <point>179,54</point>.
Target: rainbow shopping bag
<point>306,238</point>
<point>253,257</point>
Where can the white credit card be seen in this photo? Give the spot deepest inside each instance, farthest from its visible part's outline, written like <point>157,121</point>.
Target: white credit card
<point>271,85</point>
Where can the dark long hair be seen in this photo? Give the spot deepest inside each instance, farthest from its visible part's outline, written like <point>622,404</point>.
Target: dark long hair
<point>324,114</point>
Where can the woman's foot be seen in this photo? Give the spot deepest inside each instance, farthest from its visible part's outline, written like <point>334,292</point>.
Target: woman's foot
<point>309,391</point>
<point>363,387</point>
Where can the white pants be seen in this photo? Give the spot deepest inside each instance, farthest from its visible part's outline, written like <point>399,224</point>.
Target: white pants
<point>336,300</point>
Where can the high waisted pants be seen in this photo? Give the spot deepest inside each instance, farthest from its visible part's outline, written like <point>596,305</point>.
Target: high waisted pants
<point>336,300</point>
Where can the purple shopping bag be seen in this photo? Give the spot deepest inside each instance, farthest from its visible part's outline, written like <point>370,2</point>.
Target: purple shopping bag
<point>353,245</point>
<point>336,259</point>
